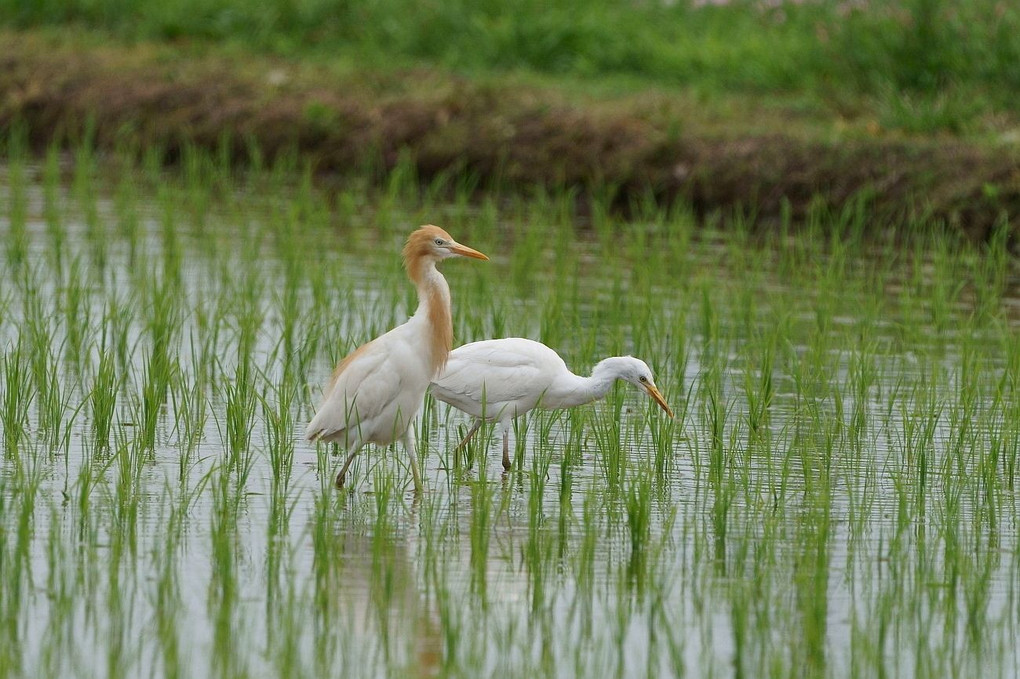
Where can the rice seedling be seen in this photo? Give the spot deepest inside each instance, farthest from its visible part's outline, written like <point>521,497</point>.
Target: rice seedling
<point>639,526</point>
<point>17,240</point>
<point>52,395</point>
<point>103,400</point>
<point>17,398</point>
<point>240,403</point>
<point>77,315</point>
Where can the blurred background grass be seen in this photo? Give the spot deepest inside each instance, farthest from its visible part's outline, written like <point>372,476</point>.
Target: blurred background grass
<point>917,65</point>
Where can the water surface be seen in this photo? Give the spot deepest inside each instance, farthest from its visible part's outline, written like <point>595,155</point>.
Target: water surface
<point>835,498</point>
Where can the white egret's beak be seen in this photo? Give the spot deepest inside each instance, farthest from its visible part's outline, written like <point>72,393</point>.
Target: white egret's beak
<point>653,391</point>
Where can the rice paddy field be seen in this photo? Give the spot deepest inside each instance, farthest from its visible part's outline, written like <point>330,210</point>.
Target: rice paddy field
<point>835,497</point>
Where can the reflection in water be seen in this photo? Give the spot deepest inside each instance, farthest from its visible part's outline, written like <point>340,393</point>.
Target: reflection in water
<point>380,585</point>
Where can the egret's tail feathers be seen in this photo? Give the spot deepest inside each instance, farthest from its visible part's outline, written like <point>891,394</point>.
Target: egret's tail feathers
<point>314,430</point>
<point>326,436</point>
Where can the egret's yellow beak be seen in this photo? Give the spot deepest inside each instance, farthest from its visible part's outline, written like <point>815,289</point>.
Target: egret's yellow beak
<point>653,391</point>
<point>465,251</point>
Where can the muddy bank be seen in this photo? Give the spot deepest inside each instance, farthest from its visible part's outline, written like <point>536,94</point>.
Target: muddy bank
<point>517,137</point>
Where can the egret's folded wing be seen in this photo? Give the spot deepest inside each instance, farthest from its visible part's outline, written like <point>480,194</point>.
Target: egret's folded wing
<point>496,373</point>
<point>340,406</point>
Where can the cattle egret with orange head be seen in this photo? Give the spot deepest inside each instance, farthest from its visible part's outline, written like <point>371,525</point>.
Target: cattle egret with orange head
<point>377,390</point>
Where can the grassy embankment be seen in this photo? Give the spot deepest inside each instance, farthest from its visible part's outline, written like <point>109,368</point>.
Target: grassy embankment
<point>911,108</point>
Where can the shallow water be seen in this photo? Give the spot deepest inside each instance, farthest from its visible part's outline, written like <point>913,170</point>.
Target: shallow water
<point>862,521</point>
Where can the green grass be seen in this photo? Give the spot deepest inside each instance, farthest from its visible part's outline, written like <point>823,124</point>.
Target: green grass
<point>920,65</point>
<point>833,498</point>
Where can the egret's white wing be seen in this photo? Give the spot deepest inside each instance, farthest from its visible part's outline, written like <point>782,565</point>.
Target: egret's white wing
<point>496,375</point>
<point>377,390</point>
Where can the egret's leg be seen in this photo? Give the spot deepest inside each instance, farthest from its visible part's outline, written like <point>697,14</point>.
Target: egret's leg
<point>351,441</point>
<point>342,476</point>
<point>506,448</point>
<point>471,432</point>
<point>412,454</point>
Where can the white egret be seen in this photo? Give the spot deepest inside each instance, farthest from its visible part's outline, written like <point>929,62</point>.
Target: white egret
<point>378,388</point>
<point>499,380</point>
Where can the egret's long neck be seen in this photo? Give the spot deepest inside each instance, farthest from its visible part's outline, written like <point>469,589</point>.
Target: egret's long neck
<point>577,390</point>
<point>434,311</point>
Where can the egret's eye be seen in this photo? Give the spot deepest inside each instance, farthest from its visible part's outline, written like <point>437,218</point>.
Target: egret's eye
<point>439,241</point>
<point>642,379</point>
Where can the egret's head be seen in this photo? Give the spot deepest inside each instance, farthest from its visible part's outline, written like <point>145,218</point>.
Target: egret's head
<point>637,372</point>
<point>431,242</point>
